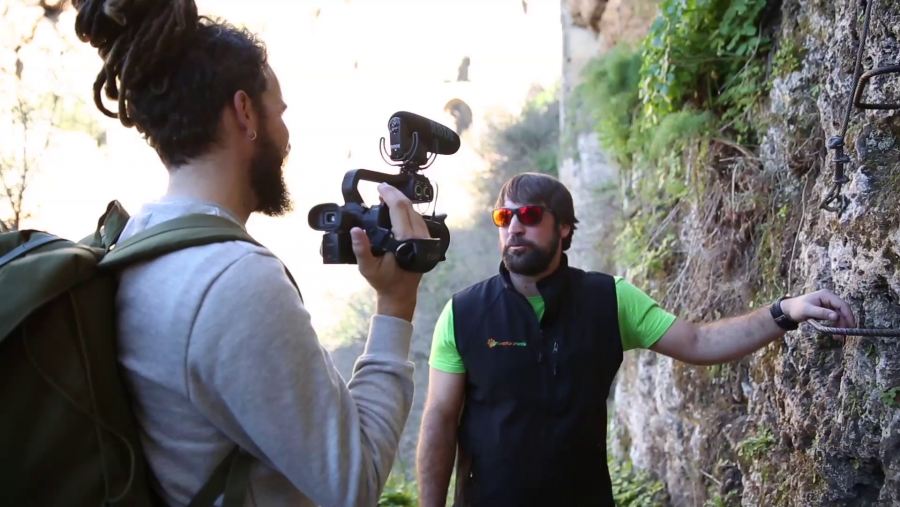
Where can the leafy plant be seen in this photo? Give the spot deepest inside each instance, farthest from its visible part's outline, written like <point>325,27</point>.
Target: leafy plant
<point>788,57</point>
<point>889,397</point>
<point>700,51</point>
<point>634,488</point>
<point>609,91</point>
<point>716,499</point>
<point>740,99</point>
<point>697,78</point>
<point>753,447</point>
<point>399,491</point>
<point>676,131</point>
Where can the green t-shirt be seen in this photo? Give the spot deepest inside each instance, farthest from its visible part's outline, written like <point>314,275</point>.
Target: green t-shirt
<point>641,323</point>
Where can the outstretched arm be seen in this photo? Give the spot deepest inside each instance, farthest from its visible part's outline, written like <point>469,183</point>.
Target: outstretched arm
<point>733,338</point>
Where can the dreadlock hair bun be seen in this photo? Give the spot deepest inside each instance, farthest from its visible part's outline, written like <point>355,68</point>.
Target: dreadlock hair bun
<point>135,38</point>
<point>172,72</point>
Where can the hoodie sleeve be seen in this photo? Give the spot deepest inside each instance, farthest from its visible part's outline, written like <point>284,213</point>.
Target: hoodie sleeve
<point>257,370</point>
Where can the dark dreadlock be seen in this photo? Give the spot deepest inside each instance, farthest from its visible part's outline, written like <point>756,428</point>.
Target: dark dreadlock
<point>171,71</point>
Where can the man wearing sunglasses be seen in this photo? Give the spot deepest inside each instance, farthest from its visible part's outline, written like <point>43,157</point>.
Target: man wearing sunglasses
<point>521,363</point>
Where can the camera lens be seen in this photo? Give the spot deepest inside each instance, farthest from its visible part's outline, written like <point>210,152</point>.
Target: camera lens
<point>330,217</point>
<point>418,190</point>
<point>427,192</point>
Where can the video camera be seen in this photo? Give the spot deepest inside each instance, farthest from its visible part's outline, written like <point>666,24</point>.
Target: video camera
<point>412,139</point>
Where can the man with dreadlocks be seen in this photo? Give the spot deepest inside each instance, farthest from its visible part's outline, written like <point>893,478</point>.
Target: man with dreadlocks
<point>215,343</point>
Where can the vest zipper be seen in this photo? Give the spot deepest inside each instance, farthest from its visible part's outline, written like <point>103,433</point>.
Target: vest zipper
<point>555,350</point>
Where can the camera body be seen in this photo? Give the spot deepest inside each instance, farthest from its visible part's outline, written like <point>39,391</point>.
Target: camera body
<point>412,138</point>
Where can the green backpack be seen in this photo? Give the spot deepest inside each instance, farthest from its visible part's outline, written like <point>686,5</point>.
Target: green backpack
<point>69,437</point>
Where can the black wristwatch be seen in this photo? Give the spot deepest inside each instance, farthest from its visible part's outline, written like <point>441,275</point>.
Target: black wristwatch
<point>783,321</point>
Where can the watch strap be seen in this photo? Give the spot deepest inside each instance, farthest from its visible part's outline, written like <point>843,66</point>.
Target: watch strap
<point>783,321</point>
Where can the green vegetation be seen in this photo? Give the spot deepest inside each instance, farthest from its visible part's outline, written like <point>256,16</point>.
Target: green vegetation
<point>528,142</point>
<point>716,499</point>
<point>610,92</point>
<point>754,447</point>
<point>890,397</point>
<point>633,487</point>
<point>788,58</point>
<point>703,52</point>
<point>399,492</point>
<point>680,115</point>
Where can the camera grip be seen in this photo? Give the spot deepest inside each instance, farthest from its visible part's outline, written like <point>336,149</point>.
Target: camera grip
<point>419,255</point>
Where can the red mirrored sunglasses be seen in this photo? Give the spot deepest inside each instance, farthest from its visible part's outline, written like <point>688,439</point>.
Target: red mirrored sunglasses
<point>528,215</point>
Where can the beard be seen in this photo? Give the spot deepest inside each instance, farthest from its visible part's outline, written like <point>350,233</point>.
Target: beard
<point>267,177</point>
<point>533,261</point>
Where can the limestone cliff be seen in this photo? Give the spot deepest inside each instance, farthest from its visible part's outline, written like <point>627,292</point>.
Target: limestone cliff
<point>808,420</point>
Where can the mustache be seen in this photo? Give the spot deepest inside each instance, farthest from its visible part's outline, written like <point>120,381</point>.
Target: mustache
<point>517,241</point>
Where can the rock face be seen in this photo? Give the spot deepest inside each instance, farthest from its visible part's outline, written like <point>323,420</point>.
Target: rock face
<point>583,167</point>
<point>809,420</point>
<point>585,13</point>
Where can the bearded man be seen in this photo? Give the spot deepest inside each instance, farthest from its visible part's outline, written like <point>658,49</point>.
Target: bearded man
<point>521,363</point>
<point>216,346</point>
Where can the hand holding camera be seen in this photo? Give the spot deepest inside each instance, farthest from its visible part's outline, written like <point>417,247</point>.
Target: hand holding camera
<point>412,139</point>
<point>396,288</point>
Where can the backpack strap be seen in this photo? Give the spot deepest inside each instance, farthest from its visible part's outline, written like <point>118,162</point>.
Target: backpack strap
<point>26,247</point>
<point>231,476</point>
<point>173,235</point>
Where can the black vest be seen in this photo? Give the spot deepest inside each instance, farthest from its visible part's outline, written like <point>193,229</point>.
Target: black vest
<point>533,428</point>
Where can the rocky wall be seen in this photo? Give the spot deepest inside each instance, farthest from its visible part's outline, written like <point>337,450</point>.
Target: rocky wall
<point>809,420</point>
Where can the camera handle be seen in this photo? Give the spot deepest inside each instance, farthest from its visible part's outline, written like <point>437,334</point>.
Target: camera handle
<point>419,255</point>
<point>402,182</point>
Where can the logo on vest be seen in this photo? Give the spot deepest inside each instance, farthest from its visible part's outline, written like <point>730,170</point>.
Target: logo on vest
<point>493,343</point>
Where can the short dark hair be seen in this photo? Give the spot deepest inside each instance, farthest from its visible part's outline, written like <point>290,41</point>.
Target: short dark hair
<point>544,190</point>
<point>171,71</point>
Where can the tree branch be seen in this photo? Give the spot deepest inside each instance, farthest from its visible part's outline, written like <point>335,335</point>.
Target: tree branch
<point>9,195</point>
<point>15,175</point>
<point>17,201</point>
<point>6,187</point>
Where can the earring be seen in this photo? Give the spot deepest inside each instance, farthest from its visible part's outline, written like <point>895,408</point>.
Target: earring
<point>253,137</point>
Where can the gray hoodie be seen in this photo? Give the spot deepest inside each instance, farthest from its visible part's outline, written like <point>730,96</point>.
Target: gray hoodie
<point>217,349</point>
